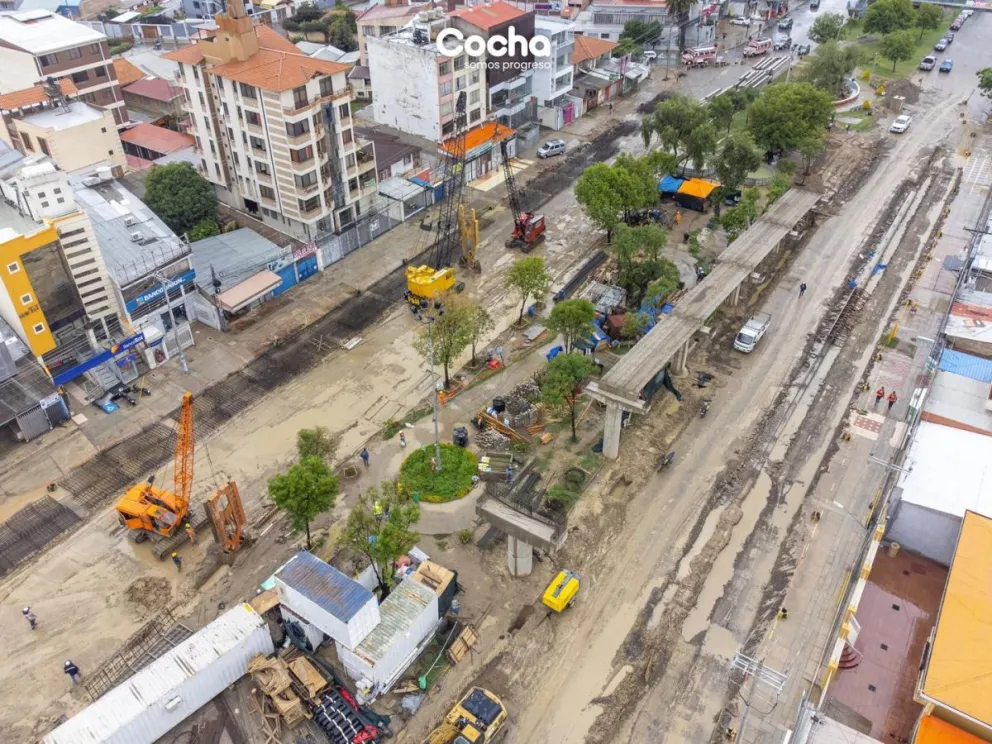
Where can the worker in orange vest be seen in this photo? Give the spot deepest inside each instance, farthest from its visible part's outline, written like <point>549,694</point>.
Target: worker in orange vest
<point>879,394</point>
<point>892,399</point>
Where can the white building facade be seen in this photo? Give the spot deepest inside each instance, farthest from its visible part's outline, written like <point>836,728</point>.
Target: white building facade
<point>553,81</point>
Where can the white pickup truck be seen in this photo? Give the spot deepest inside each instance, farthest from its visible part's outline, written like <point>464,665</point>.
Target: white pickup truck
<point>749,336</point>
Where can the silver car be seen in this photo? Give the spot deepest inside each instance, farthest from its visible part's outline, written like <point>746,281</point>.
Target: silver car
<point>551,148</point>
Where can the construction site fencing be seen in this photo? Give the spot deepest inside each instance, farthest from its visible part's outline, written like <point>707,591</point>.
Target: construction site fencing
<point>335,246</point>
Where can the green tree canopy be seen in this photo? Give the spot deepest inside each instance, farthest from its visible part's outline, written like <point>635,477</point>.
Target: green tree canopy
<point>721,111</point>
<point>180,196</point>
<point>573,320</point>
<point>886,16</point>
<point>638,251</point>
<point>529,278</point>
<point>809,148</point>
<point>562,379</point>
<point>898,46</point>
<point>785,114</point>
<point>596,191</point>
<point>683,127</point>
<point>830,66</point>
<point>307,489</point>
<point>316,442</point>
<point>441,340</point>
<point>738,156</point>
<point>203,229</point>
<point>928,17</point>
<point>985,82</point>
<point>478,323</point>
<point>827,27</point>
<point>379,528</point>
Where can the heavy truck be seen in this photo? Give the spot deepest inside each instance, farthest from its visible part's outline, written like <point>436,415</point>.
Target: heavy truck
<point>476,719</point>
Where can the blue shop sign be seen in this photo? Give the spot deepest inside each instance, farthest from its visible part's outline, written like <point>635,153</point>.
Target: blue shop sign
<point>72,373</point>
<point>155,292</point>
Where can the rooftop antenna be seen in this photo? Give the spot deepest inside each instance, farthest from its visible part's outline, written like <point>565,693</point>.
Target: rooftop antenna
<point>54,92</point>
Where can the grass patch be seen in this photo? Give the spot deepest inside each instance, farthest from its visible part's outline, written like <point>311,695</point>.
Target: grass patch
<point>392,426</point>
<point>453,482</point>
<point>882,68</point>
<point>591,462</point>
<point>864,121</point>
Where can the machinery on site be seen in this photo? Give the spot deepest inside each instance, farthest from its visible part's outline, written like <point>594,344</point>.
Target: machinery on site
<point>476,719</point>
<point>227,517</point>
<point>528,227</point>
<point>424,283</point>
<point>560,594</point>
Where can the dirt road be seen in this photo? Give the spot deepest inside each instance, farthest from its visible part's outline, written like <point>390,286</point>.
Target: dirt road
<point>641,659</point>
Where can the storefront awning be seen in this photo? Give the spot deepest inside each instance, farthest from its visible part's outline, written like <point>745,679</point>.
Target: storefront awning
<point>240,295</point>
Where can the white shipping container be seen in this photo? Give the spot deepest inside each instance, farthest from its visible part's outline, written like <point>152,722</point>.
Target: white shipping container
<point>409,618</point>
<point>159,697</point>
<point>326,598</point>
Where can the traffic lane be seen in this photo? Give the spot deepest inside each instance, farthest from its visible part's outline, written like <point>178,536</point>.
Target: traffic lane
<point>970,52</point>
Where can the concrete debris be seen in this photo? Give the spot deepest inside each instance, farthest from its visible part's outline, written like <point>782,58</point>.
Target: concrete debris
<point>491,440</point>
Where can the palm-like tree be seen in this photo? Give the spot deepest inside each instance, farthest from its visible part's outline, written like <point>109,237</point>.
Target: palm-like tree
<point>679,9</point>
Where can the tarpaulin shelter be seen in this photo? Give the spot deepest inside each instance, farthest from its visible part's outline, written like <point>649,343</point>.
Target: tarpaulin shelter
<point>669,185</point>
<point>694,193</point>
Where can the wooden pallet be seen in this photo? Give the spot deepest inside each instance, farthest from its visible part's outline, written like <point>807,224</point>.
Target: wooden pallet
<point>462,644</point>
<point>502,428</point>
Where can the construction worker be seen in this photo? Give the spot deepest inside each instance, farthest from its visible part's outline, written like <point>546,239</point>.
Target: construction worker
<point>73,671</point>
<point>509,473</point>
<point>190,533</point>
<point>783,614</point>
<point>377,509</point>
<point>678,216</point>
<point>177,561</point>
<point>403,440</point>
<point>29,616</point>
<point>892,399</point>
<point>879,394</point>
<point>802,290</point>
<point>364,454</point>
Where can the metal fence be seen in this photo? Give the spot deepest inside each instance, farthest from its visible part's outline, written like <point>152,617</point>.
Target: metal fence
<point>384,217</point>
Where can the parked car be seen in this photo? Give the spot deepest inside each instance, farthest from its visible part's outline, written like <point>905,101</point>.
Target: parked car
<point>783,42</point>
<point>740,22</point>
<point>947,65</point>
<point>940,45</point>
<point>928,63</point>
<point>803,50</point>
<point>814,5</point>
<point>958,22</point>
<point>785,24</point>
<point>901,124</point>
<point>949,36</point>
<point>752,332</point>
<point>551,148</point>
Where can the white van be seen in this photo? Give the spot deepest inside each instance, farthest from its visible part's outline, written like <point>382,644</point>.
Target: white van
<point>757,47</point>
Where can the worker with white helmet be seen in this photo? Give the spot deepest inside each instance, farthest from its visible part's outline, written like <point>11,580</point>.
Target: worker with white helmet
<point>29,616</point>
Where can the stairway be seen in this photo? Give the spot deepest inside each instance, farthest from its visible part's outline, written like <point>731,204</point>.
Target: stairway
<point>850,657</point>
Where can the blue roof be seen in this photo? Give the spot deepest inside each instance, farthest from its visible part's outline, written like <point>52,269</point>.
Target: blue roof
<point>324,585</point>
<point>670,184</point>
<point>966,365</point>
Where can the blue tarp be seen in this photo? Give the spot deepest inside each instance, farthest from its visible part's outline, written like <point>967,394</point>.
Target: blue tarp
<point>966,365</point>
<point>670,185</point>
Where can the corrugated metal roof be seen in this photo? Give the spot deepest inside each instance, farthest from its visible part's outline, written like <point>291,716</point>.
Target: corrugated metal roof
<point>397,614</point>
<point>967,365</point>
<point>324,585</point>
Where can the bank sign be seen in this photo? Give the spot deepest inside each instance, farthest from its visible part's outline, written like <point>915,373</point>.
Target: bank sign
<point>158,290</point>
<point>453,43</point>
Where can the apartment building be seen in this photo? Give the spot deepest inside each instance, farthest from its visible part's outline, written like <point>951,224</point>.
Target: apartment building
<point>209,8</point>
<point>38,44</point>
<point>55,291</point>
<point>510,78</point>
<point>553,80</point>
<point>379,20</point>
<point>49,119</point>
<point>274,128</point>
<point>415,86</point>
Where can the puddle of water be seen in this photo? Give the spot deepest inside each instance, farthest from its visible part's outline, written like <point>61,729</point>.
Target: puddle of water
<point>802,407</point>
<point>709,527</point>
<point>723,566</point>
<point>659,609</point>
<point>617,679</point>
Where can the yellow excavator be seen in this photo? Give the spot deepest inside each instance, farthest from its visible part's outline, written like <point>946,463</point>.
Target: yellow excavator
<point>476,719</point>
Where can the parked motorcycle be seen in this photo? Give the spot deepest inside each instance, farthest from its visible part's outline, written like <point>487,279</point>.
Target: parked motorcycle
<point>703,408</point>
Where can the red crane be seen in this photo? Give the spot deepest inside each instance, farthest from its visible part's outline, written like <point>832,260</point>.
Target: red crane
<point>528,227</point>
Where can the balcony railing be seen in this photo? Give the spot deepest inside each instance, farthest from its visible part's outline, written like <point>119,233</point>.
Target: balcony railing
<point>308,189</point>
<point>263,176</point>
<point>254,128</point>
<point>302,166</point>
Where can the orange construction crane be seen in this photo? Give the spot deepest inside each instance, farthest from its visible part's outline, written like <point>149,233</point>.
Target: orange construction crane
<point>150,511</point>
<point>227,517</point>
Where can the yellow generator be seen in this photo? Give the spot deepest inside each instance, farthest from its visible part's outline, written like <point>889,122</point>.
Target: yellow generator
<point>561,592</point>
<point>425,283</point>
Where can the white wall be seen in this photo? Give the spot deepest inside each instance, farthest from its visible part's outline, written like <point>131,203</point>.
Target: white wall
<point>19,70</point>
<point>405,87</point>
<point>932,534</point>
<point>349,634</point>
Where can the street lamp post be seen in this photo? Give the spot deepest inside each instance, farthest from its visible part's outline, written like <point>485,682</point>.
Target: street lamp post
<point>163,283</point>
<point>428,319</point>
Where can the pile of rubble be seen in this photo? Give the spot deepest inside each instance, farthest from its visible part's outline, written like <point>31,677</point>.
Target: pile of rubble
<point>490,440</point>
<point>520,404</point>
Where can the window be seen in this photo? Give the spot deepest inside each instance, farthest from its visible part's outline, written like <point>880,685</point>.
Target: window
<point>444,68</point>
<point>73,53</point>
<point>252,118</point>
<point>38,328</point>
<point>224,106</point>
<point>26,299</point>
<point>261,167</point>
<point>302,155</point>
<point>353,184</point>
<point>346,136</point>
<point>41,194</point>
<point>13,268</point>
<point>103,130</point>
<point>203,101</point>
<point>446,88</point>
<point>230,135</point>
<point>101,71</point>
<point>350,160</point>
<point>94,48</point>
<point>459,64</point>
<point>267,193</point>
<point>237,163</point>
<point>270,213</point>
<point>310,204</point>
<point>196,72</point>
<point>560,62</point>
<point>300,97</point>
<point>368,30</point>
<point>475,115</point>
<point>257,144</point>
<point>26,140</point>
<point>344,111</point>
<point>213,149</point>
<point>446,108</point>
<point>473,97</point>
<point>326,86</point>
<point>306,180</point>
<point>217,170</point>
<point>60,200</point>
<point>460,83</point>
<point>473,78</point>
<point>47,60</point>
<point>247,91</point>
<point>44,205</point>
<point>296,128</point>
<point>70,233</point>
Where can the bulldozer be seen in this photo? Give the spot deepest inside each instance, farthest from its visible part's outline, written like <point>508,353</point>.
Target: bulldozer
<point>476,719</point>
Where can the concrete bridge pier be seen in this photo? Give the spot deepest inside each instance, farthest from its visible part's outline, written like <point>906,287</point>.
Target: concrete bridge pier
<point>611,430</point>
<point>519,556</point>
<point>680,361</point>
<point>735,298</point>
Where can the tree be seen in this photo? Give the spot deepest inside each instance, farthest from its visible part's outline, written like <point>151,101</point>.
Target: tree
<point>573,320</point>
<point>898,46</point>
<point>528,277</point>
<point>562,380</point>
<point>637,182</point>
<point>829,67</point>
<point>667,282</point>
<point>680,9</point>
<point>721,111</point>
<point>638,251</point>
<point>737,157</point>
<point>682,125</point>
<point>596,192</point>
<point>827,27</point>
<point>444,338</point>
<point>626,46</point>
<point>479,322</point>
<point>738,219</point>
<point>180,196</point>
<point>642,33</point>
<point>886,16</point>
<point>786,113</point>
<point>206,228</point>
<point>810,147</point>
<point>316,442</point>
<point>742,98</point>
<point>777,187</point>
<point>985,82</point>
<point>634,325</point>
<point>378,528</point>
<point>307,489</point>
<point>928,17</point>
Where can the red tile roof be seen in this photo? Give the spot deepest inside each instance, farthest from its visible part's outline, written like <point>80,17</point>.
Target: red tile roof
<point>156,139</point>
<point>155,88</point>
<point>381,12</point>
<point>127,72</point>
<point>136,163</point>
<point>33,96</point>
<point>277,71</point>
<point>489,16</point>
<point>589,47</point>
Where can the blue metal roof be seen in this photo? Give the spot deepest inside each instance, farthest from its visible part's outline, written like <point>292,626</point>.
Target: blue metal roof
<point>324,585</point>
<point>966,365</point>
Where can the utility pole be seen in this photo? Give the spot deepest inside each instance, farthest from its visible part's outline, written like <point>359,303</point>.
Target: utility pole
<point>163,283</point>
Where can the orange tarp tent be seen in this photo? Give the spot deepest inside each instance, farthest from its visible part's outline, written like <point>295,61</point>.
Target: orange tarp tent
<point>698,187</point>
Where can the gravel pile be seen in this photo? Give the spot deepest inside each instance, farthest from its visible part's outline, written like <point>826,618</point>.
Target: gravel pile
<point>490,440</point>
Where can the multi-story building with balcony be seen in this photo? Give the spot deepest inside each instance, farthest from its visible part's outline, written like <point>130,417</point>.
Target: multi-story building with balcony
<point>37,44</point>
<point>274,128</point>
<point>415,86</point>
<point>553,80</point>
